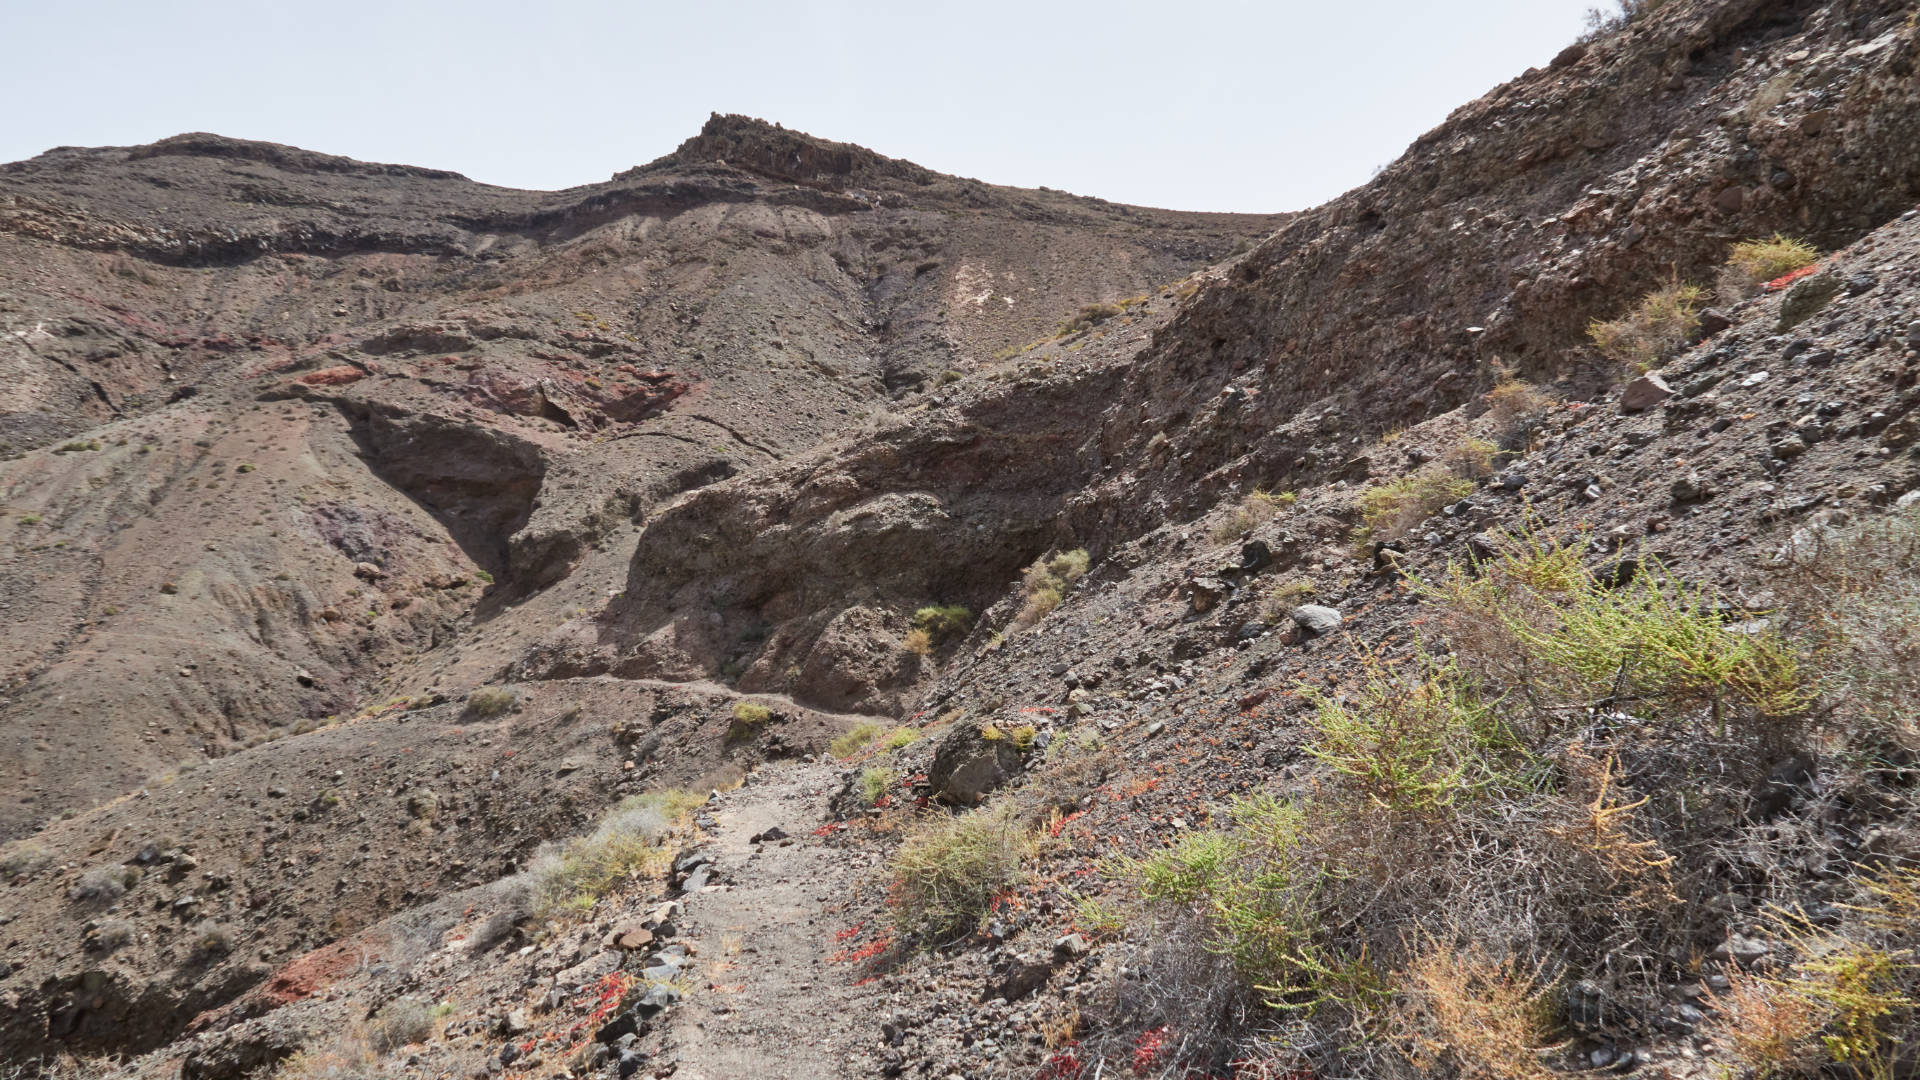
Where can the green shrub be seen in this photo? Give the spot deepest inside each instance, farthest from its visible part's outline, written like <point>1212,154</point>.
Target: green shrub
<point>899,738</point>
<point>748,720</point>
<point>1535,617</point>
<point>491,701</point>
<point>1422,744</point>
<point>949,870</point>
<point>943,624</point>
<point>1653,331</point>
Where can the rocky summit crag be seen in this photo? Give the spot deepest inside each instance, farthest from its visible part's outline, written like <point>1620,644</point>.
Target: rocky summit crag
<point>784,611</point>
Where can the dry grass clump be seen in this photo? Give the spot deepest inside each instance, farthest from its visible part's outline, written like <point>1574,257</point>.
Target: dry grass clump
<point>490,701</point>
<point>1389,511</point>
<point>401,1022</point>
<point>1088,317</point>
<point>1653,331</point>
<point>950,869</point>
<point>1283,597</point>
<point>24,859</point>
<point>1047,581</point>
<point>1753,263</point>
<point>625,846</point>
<point>104,883</point>
<point>1255,510</point>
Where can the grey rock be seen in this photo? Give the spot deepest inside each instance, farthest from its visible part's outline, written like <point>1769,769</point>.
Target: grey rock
<point>1315,619</point>
<point>1789,448</point>
<point>1690,488</point>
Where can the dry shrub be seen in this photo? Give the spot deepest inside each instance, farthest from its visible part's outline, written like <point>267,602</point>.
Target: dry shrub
<point>950,869</point>
<point>1252,512</point>
<point>1768,1029</point>
<point>1046,583</point>
<point>24,859</point>
<point>1485,1019</point>
<point>1389,511</point>
<point>1854,594</point>
<point>489,702</point>
<point>1515,406</point>
<point>1653,331</point>
<point>918,642</point>
<point>1471,459</point>
<point>401,1022</point>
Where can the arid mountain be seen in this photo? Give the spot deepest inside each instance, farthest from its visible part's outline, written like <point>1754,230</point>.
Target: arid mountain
<point>985,633</point>
<point>291,413</point>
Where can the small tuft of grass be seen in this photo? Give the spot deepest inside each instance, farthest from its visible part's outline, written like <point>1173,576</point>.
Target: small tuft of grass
<point>1754,263</point>
<point>855,739</point>
<point>874,783</point>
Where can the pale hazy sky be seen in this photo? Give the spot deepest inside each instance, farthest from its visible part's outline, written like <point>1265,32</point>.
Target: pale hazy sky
<point>1201,104</point>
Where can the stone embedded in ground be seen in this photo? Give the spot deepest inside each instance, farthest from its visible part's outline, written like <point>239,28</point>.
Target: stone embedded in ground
<point>1644,393</point>
<point>1315,619</point>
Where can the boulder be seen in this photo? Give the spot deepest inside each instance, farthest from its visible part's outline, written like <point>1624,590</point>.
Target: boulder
<point>967,766</point>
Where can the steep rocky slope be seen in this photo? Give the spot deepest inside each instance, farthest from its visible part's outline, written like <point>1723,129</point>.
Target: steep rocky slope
<point>1350,352</point>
